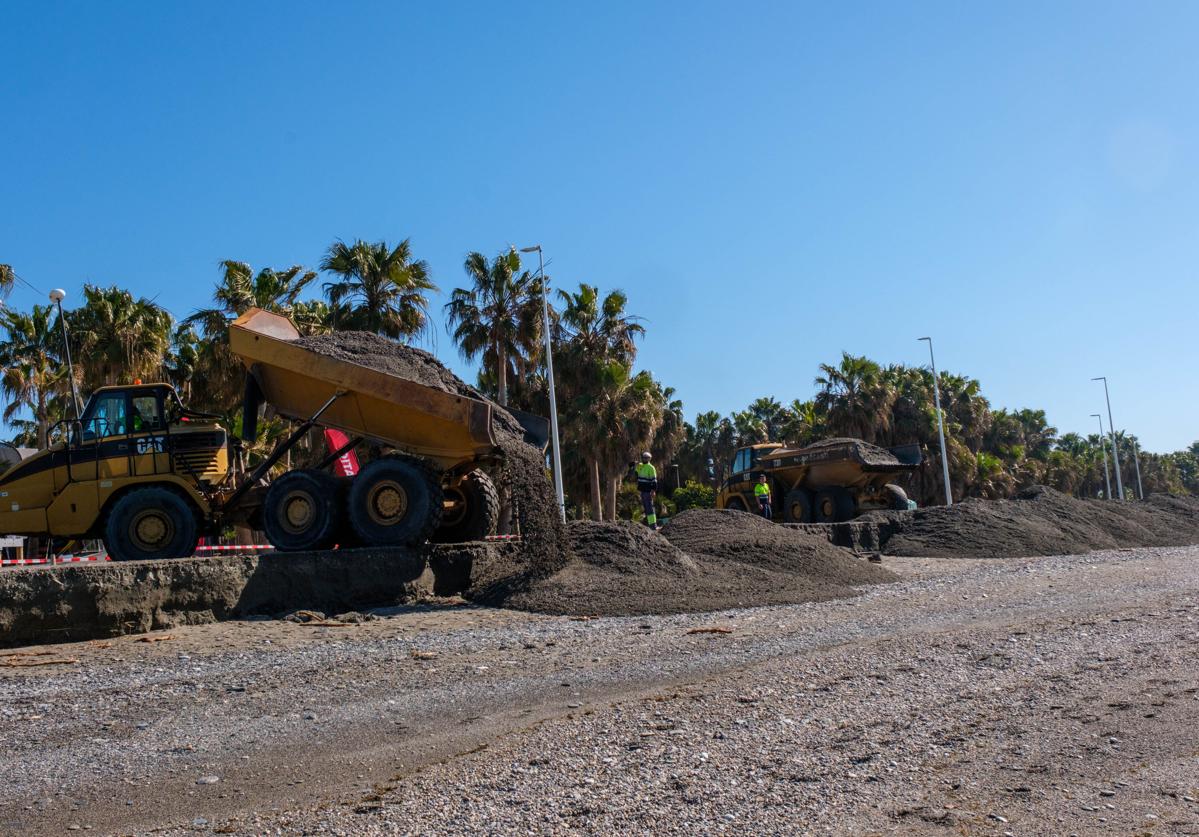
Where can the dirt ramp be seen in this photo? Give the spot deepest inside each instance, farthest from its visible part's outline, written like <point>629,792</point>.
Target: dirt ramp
<point>702,561</point>
<point>1038,521</point>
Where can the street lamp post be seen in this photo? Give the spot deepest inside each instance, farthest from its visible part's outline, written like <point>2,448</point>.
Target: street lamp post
<point>940,424</point>
<point>57,295</point>
<point>1107,477</point>
<point>1111,428</point>
<point>1136,461</point>
<point>677,484</point>
<point>549,371</point>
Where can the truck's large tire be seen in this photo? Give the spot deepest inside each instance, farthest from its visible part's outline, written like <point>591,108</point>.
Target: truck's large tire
<point>303,510</point>
<point>797,506</point>
<point>897,498</point>
<point>833,505</point>
<point>395,501</point>
<point>735,504</point>
<point>476,510</point>
<point>150,524</point>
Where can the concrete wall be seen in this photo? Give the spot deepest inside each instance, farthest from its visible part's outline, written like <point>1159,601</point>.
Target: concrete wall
<point>75,602</point>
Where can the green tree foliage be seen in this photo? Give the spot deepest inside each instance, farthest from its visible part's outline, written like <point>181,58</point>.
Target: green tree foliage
<point>382,289</point>
<point>34,378</point>
<point>121,338</point>
<point>694,495</point>
<point>498,318</point>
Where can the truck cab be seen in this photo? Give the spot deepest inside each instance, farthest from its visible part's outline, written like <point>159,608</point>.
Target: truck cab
<point>127,438</point>
<point>737,490</point>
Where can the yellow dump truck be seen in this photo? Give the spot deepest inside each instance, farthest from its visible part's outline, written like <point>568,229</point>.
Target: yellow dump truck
<point>826,482</point>
<point>150,476</point>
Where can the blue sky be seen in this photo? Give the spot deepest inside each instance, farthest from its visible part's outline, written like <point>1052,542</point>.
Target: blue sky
<point>1018,180</point>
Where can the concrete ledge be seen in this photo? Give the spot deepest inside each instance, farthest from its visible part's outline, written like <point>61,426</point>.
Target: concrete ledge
<point>858,535</point>
<point>75,602</point>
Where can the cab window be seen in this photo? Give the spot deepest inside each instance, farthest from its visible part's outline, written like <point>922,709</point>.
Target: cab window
<point>740,462</point>
<point>146,414</point>
<point>107,417</point>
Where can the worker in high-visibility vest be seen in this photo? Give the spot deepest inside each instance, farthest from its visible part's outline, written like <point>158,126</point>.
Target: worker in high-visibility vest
<point>647,487</point>
<point>762,492</point>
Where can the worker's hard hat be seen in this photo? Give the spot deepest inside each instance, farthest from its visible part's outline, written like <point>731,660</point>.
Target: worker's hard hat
<point>647,456</point>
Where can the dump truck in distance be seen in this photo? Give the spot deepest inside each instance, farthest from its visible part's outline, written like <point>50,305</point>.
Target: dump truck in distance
<point>150,476</point>
<point>826,482</point>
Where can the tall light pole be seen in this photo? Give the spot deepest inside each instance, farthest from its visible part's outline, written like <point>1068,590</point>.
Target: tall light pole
<point>940,424</point>
<point>549,372</point>
<point>1107,477</point>
<point>57,295</point>
<point>1136,460</point>
<point>1111,428</point>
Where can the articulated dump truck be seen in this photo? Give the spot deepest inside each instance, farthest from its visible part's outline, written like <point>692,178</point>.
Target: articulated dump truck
<point>830,481</point>
<point>150,476</point>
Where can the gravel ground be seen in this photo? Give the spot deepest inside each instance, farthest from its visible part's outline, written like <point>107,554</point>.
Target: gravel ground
<point>1054,695</point>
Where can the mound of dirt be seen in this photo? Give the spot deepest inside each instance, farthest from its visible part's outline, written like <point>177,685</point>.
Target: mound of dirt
<point>739,560</point>
<point>628,548</point>
<point>544,540</point>
<point>1038,521</point>
<point>870,454</point>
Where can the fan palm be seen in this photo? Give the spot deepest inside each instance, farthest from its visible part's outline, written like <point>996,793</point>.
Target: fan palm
<point>121,337</point>
<point>855,397</point>
<point>32,373</point>
<point>497,317</point>
<point>382,289</point>
<point>239,290</point>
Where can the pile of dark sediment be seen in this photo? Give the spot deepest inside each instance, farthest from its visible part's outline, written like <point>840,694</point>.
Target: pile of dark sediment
<point>869,454</point>
<point>543,537</point>
<point>1038,521</point>
<point>701,561</point>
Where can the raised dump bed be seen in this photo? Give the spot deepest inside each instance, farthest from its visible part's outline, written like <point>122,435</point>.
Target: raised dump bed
<point>297,382</point>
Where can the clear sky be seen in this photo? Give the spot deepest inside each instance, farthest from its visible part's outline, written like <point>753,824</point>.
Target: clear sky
<point>770,183</point>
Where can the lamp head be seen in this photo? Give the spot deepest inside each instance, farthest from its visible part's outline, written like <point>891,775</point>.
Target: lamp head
<point>534,249</point>
<point>58,295</point>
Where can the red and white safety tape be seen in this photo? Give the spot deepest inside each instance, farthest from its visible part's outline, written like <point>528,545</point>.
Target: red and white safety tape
<point>237,547</point>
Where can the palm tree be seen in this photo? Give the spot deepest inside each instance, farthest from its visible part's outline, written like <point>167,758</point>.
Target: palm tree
<point>608,411</point>
<point>803,424</point>
<point>855,397</point>
<point>7,279</point>
<point>672,429</point>
<point>32,374</point>
<point>382,289</point>
<point>239,290</point>
<point>122,338</point>
<point>600,328</point>
<point>497,317</point>
<point>771,414</point>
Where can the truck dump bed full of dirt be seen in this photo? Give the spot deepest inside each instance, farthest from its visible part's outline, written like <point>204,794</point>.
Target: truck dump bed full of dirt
<point>400,410</point>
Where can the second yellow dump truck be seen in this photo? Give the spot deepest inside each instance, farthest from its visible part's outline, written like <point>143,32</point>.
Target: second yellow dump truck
<point>826,482</point>
<point>150,476</point>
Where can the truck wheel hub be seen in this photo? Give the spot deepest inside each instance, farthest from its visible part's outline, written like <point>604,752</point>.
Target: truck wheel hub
<point>388,502</point>
<point>297,512</point>
<point>453,507</point>
<point>150,530</point>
